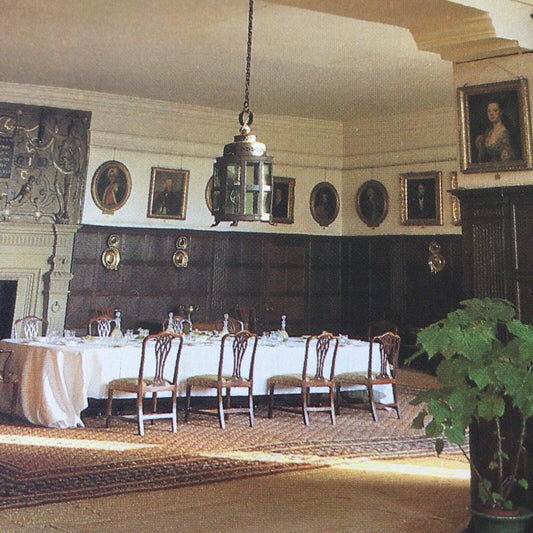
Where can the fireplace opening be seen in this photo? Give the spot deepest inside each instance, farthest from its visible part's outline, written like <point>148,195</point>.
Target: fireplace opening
<point>8,296</point>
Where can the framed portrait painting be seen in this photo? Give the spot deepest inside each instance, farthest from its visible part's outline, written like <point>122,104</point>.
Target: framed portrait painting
<point>168,193</point>
<point>421,198</point>
<point>111,186</point>
<point>324,203</point>
<point>495,130</point>
<point>282,210</point>
<point>372,203</point>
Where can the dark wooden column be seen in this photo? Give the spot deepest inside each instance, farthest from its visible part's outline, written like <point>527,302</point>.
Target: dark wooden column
<point>498,262</point>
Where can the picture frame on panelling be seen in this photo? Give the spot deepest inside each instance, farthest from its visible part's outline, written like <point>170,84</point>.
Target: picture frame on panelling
<point>372,203</point>
<point>495,128</point>
<point>421,198</point>
<point>324,203</point>
<point>282,209</point>
<point>168,193</point>
<point>111,186</point>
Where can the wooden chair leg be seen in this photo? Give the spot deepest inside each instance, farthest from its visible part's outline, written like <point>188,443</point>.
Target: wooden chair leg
<point>109,407</point>
<point>174,413</point>
<point>337,398</point>
<point>188,403</point>
<point>271,400</point>
<point>221,409</point>
<point>140,415</point>
<point>305,397</point>
<point>371,402</point>
<point>228,402</point>
<point>395,396</point>
<point>251,407</point>
<point>154,405</point>
<point>332,405</point>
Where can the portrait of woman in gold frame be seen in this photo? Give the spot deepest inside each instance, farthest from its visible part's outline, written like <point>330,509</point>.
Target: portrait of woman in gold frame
<point>495,129</point>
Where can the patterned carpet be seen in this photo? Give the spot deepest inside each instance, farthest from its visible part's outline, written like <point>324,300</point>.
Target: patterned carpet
<point>42,465</point>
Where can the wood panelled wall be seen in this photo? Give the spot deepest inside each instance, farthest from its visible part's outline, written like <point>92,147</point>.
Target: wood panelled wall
<point>320,283</point>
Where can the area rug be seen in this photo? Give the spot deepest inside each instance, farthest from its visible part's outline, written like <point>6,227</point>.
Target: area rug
<point>43,465</point>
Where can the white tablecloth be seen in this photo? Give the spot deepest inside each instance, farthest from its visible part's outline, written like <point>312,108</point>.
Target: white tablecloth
<point>57,380</point>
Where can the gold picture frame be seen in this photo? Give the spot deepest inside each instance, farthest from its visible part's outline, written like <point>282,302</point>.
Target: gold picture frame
<point>421,198</point>
<point>495,129</point>
<point>168,193</point>
<point>111,186</point>
<point>456,204</point>
<point>282,208</point>
<point>209,194</point>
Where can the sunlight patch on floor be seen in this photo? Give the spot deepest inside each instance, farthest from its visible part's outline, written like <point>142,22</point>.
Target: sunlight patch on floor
<point>71,443</point>
<point>270,457</point>
<point>459,471</point>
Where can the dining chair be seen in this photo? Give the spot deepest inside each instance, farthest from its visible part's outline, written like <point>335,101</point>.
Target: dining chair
<point>229,324</point>
<point>177,324</point>
<point>101,326</point>
<point>159,349</point>
<point>318,371</point>
<point>9,378</point>
<point>235,371</point>
<point>383,357</point>
<point>28,327</point>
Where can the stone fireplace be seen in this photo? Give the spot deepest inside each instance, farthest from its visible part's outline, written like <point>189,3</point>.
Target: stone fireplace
<point>38,257</point>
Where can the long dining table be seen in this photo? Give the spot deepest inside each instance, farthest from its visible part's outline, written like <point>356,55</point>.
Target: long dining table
<point>57,378</point>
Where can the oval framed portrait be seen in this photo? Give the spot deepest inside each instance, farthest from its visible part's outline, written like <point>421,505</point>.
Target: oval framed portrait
<point>324,203</point>
<point>111,186</point>
<point>372,203</point>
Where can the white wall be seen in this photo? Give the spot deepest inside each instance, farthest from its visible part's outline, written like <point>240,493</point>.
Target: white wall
<point>143,133</point>
<point>383,148</point>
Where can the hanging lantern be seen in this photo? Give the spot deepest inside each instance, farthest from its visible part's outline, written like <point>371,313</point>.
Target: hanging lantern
<point>242,177</point>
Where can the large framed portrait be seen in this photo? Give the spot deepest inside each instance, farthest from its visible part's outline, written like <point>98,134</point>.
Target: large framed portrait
<point>495,130</point>
<point>372,203</point>
<point>168,193</point>
<point>324,203</point>
<point>111,186</point>
<point>421,198</point>
<point>282,210</point>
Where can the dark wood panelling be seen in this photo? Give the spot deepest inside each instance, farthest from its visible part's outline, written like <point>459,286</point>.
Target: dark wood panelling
<point>332,283</point>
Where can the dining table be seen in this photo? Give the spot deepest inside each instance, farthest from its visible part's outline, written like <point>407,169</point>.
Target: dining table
<point>58,375</point>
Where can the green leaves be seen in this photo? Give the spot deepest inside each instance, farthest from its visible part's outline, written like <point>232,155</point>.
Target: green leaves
<point>486,366</point>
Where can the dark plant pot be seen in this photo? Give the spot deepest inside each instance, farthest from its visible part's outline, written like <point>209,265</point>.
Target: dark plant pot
<point>491,523</point>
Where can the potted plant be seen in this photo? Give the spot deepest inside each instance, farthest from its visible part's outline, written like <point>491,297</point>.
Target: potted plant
<point>485,375</point>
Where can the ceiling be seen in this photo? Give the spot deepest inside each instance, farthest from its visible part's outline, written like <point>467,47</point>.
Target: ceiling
<point>320,59</point>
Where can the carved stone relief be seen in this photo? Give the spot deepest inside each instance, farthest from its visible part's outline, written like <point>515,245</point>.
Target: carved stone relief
<point>43,163</point>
